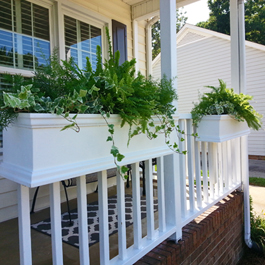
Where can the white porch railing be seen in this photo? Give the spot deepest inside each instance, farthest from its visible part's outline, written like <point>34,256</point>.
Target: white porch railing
<point>186,187</point>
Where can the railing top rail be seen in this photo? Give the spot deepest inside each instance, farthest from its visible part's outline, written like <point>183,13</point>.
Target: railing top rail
<point>185,116</point>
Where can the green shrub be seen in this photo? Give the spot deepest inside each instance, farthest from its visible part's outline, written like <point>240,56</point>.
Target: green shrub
<point>257,227</point>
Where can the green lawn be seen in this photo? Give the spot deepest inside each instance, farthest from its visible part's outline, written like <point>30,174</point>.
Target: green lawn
<point>257,181</point>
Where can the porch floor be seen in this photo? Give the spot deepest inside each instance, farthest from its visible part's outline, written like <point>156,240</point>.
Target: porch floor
<point>41,243</point>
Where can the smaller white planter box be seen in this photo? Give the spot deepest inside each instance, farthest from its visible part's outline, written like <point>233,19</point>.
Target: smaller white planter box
<point>220,128</point>
<point>37,152</point>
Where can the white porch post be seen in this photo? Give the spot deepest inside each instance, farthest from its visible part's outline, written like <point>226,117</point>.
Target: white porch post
<point>169,68</point>
<point>168,39</point>
<point>238,78</point>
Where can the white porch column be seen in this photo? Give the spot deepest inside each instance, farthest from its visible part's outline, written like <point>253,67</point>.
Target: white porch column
<point>238,53</point>
<point>168,40</point>
<point>169,68</point>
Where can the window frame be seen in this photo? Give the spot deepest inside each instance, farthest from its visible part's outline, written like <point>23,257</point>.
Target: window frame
<point>88,17</point>
<point>29,73</point>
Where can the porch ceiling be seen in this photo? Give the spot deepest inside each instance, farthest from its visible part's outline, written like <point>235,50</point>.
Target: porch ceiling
<point>147,8</point>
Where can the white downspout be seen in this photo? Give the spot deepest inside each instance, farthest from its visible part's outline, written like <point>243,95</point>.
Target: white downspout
<point>244,140</point>
<point>238,81</point>
<point>148,34</point>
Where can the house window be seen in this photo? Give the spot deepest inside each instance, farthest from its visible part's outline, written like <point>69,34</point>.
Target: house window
<point>81,41</point>
<point>24,34</point>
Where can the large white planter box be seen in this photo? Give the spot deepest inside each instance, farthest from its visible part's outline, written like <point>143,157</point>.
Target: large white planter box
<point>37,152</point>
<point>220,128</point>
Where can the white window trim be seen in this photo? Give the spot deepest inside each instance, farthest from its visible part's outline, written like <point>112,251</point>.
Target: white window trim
<point>85,15</point>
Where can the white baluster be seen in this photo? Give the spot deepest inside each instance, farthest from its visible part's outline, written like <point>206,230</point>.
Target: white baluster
<point>220,168</point>
<point>211,169</point>
<point>205,172</point>
<point>24,225</point>
<point>198,173</point>
<point>190,143</point>
<point>82,220</point>
<point>229,164</point>
<point>183,173</point>
<point>56,224</point>
<point>121,218</point>
<point>225,161</point>
<point>149,199</point>
<point>137,227</point>
<point>161,194</point>
<point>103,217</point>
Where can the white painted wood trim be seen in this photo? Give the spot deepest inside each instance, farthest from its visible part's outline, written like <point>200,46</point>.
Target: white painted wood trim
<point>191,151</point>
<point>205,173</point>
<point>161,194</point>
<point>198,172</point>
<point>121,218</point>
<point>24,225</point>
<point>135,45</point>
<point>82,220</point>
<point>168,41</point>
<point>149,199</point>
<point>103,217</point>
<point>137,229</point>
<point>56,226</point>
<point>183,173</point>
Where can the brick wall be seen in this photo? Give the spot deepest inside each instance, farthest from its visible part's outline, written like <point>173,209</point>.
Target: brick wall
<point>215,237</point>
<point>256,157</point>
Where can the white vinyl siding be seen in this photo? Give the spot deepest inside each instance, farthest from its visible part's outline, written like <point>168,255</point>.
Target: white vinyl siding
<point>203,62</point>
<point>256,87</point>
<point>190,37</point>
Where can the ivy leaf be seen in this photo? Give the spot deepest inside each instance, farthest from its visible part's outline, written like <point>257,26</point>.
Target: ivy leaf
<point>120,157</point>
<point>82,93</point>
<point>59,111</point>
<point>124,169</point>
<point>109,139</point>
<point>111,128</point>
<point>38,108</point>
<point>114,151</point>
<point>68,126</point>
<point>11,101</point>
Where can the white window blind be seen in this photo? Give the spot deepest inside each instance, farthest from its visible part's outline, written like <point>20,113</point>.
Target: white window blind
<point>81,40</point>
<point>24,34</point>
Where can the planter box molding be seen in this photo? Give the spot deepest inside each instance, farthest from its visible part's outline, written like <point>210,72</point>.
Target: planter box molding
<point>220,128</point>
<point>37,152</point>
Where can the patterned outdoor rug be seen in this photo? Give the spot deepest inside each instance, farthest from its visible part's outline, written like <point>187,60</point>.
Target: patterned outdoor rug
<point>70,232</point>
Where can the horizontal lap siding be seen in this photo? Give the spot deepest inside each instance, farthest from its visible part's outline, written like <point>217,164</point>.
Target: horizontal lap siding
<point>200,64</point>
<point>255,63</point>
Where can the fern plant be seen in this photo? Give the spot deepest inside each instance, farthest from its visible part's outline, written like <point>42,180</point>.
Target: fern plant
<point>225,101</point>
<point>63,88</point>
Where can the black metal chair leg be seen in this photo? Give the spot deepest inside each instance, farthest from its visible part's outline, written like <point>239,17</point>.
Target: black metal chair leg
<point>144,193</point>
<point>34,200</point>
<point>67,201</point>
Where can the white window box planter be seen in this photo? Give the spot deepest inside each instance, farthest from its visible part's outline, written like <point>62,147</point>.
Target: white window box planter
<point>220,128</point>
<point>37,152</point>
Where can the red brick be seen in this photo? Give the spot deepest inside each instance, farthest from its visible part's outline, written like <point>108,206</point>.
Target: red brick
<point>214,237</point>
